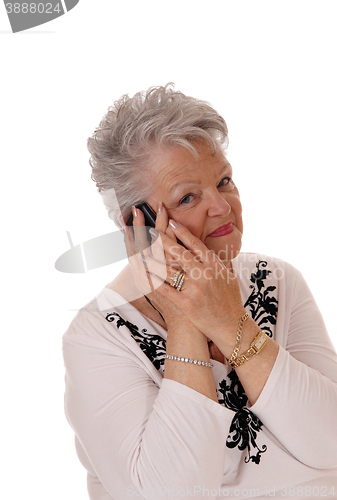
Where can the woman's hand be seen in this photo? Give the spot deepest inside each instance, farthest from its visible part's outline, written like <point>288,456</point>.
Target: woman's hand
<point>140,252</point>
<point>210,297</point>
<point>208,305</point>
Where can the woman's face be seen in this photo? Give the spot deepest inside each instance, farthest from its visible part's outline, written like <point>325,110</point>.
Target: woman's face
<point>199,194</point>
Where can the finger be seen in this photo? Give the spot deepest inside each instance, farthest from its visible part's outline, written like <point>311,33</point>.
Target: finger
<point>168,292</point>
<point>128,240</point>
<point>158,251</point>
<point>171,260</point>
<point>157,284</point>
<point>141,275</point>
<point>128,237</point>
<point>161,269</point>
<point>161,225</point>
<point>141,243</point>
<point>162,218</point>
<point>196,246</point>
<point>139,268</point>
<point>170,233</point>
<point>179,255</point>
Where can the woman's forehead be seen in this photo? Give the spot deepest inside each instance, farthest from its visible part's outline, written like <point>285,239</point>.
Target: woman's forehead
<point>176,164</point>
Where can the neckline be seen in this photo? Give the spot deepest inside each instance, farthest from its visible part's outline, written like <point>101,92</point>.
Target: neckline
<point>105,303</point>
<point>123,302</point>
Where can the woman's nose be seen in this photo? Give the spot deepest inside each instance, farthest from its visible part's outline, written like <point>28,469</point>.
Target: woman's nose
<point>218,205</point>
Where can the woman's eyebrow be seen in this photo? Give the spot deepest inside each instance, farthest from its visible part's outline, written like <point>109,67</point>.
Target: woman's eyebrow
<point>178,184</point>
<point>226,167</point>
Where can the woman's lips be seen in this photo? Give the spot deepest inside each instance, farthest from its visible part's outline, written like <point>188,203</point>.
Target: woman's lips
<point>223,230</point>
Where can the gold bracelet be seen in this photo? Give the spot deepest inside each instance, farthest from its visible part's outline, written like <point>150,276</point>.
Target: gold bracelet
<point>256,346</point>
<point>238,339</point>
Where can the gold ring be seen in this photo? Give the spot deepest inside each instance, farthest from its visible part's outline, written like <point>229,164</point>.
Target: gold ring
<point>177,280</point>
<point>181,281</point>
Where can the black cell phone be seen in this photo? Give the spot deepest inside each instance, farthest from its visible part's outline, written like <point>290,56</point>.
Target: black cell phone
<point>150,220</point>
<point>149,215</point>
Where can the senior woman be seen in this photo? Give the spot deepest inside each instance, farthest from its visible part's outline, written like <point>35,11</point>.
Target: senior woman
<point>199,371</point>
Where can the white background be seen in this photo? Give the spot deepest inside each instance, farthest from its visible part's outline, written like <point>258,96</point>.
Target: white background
<point>269,67</point>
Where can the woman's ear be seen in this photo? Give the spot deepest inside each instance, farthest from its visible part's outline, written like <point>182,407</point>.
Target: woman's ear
<point>121,220</point>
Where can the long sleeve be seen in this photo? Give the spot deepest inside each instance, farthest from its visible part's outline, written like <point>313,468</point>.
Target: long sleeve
<point>299,402</point>
<point>136,435</point>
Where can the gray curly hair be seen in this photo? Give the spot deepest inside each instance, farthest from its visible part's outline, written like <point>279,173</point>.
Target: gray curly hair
<point>121,145</point>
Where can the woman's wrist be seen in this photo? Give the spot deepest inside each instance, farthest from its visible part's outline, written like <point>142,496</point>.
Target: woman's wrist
<point>187,341</point>
<point>228,340</point>
<point>185,334</point>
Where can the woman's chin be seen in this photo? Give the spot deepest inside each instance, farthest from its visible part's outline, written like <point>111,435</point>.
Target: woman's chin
<point>225,248</point>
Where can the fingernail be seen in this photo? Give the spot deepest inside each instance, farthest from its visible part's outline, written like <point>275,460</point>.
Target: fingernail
<point>134,211</point>
<point>160,207</point>
<point>154,232</point>
<point>174,224</point>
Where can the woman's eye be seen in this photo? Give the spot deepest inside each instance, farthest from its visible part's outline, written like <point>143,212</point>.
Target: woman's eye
<point>186,199</point>
<point>224,181</point>
<point>190,197</point>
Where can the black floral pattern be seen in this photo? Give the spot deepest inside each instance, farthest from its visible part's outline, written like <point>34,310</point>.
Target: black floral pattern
<point>153,346</point>
<point>245,424</point>
<point>263,307</point>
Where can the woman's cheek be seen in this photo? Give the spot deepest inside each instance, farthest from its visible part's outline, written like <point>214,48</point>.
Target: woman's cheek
<point>237,206</point>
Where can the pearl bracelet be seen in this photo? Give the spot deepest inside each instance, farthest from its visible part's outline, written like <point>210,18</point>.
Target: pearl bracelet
<point>188,360</point>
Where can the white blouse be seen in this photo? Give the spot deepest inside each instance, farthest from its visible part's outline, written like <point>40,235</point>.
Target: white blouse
<point>141,435</point>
